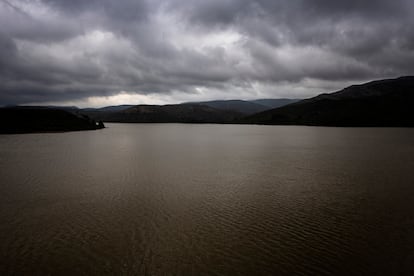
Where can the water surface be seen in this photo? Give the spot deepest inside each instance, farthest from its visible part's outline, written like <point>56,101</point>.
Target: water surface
<point>174,199</point>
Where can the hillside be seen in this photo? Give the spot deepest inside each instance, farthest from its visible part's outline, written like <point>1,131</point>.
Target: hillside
<point>244,107</point>
<point>378,103</point>
<point>247,107</point>
<point>180,113</point>
<point>219,111</point>
<point>43,119</point>
<point>112,108</point>
<point>274,103</point>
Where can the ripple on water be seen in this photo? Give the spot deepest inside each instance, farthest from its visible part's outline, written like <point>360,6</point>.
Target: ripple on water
<point>173,199</point>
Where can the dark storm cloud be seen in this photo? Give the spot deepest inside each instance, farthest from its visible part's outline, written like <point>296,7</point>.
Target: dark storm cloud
<point>60,51</point>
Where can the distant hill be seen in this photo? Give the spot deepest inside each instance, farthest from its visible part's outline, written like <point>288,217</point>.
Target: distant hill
<point>220,111</point>
<point>274,103</point>
<point>43,119</point>
<point>379,103</point>
<point>113,108</point>
<point>240,106</point>
<point>246,107</point>
<point>179,113</point>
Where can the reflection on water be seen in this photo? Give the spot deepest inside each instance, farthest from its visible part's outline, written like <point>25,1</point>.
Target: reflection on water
<point>171,199</point>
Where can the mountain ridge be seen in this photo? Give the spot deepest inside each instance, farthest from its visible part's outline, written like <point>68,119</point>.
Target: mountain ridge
<point>387,102</point>
<point>219,111</point>
<point>246,106</point>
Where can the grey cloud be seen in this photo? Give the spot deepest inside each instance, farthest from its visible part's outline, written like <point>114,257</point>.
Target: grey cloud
<point>58,50</point>
<point>20,24</point>
<point>362,30</point>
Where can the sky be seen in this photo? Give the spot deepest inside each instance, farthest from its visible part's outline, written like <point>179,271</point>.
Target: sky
<point>101,52</point>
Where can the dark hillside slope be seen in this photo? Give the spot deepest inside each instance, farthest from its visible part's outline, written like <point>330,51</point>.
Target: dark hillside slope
<point>240,106</point>
<point>179,113</point>
<point>247,107</point>
<point>42,119</point>
<point>378,103</point>
<point>274,103</point>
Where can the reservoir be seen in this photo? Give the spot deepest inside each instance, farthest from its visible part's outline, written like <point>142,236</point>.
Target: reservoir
<point>184,199</point>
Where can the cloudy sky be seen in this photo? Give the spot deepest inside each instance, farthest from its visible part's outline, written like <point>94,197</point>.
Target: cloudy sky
<point>104,52</point>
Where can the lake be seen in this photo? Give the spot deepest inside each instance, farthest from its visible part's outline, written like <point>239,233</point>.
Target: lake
<point>183,199</point>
